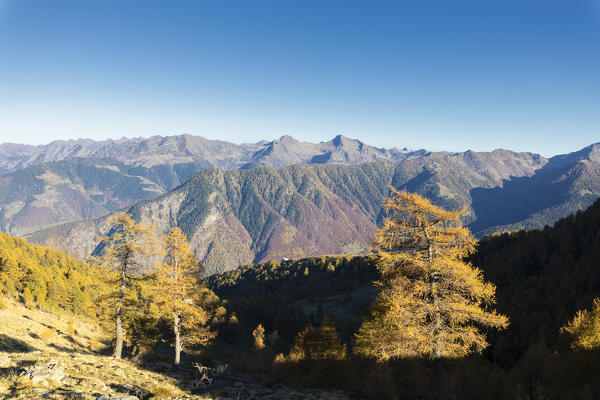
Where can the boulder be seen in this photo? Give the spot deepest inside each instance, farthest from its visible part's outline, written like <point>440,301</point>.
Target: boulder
<point>136,391</point>
<point>75,395</point>
<point>41,374</point>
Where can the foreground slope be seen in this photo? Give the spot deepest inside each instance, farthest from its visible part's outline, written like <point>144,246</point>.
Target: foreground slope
<point>46,357</point>
<point>51,347</point>
<point>34,340</point>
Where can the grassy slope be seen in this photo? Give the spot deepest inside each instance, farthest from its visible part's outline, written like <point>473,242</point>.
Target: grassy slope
<point>80,348</point>
<point>25,341</point>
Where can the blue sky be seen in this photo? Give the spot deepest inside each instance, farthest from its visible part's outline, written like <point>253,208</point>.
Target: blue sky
<point>440,75</point>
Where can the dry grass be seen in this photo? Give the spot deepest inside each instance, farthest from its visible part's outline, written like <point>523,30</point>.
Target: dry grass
<point>34,338</point>
<point>47,334</point>
<point>30,337</point>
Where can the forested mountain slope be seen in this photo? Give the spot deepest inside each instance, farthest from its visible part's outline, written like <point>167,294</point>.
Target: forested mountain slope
<point>543,277</point>
<point>78,189</point>
<point>235,217</point>
<point>45,278</point>
<point>503,191</point>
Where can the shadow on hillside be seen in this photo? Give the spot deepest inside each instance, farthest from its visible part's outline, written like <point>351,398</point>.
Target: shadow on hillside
<point>11,345</point>
<point>518,198</point>
<point>69,350</point>
<point>542,372</point>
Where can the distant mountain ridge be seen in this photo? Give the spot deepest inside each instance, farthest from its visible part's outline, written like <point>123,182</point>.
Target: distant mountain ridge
<point>74,180</point>
<point>185,149</point>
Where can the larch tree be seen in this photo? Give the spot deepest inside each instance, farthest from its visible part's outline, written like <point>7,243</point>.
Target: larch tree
<point>318,343</point>
<point>584,328</point>
<point>180,285</point>
<point>432,302</point>
<point>259,337</point>
<point>127,248</point>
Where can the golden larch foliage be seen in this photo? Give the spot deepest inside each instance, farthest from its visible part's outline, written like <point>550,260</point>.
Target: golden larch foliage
<point>432,302</point>
<point>126,250</point>
<point>318,343</point>
<point>181,293</point>
<point>259,337</point>
<point>584,328</point>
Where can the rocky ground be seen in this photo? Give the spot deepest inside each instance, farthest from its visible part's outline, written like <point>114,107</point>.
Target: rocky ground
<point>46,357</point>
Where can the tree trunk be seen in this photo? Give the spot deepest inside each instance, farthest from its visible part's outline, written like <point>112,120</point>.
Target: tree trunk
<point>439,377</point>
<point>119,325</point>
<point>119,336</point>
<point>437,385</point>
<point>177,339</point>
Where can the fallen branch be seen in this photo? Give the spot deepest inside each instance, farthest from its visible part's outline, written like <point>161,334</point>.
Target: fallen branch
<point>208,375</point>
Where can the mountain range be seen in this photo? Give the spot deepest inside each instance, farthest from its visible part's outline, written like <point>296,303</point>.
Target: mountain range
<point>241,216</point>
<point>196,150</point>
<point>65,181</point>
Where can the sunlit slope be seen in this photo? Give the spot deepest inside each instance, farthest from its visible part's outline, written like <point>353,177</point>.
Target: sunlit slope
<point>235,217</point>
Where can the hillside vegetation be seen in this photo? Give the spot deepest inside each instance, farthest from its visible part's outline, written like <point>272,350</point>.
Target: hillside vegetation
<point>41,277</point>
<point>34,340</point>
<point>271,319</point>
<point>543,277</point>
<point>55,343</point>
<point>285,296</point>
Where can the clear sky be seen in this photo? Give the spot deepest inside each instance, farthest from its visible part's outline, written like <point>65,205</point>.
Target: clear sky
<point>441,75</point>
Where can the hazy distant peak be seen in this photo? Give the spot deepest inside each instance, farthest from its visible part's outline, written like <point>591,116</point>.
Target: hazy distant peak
<point>187,149</point>
<point>589,153</point>
<point>285,140</point>
<point>341,140</point>
<point>592,152</point>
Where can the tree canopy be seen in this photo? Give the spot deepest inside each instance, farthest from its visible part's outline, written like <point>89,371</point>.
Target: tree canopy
<point>432,301</point>
<point>123,255</point>
<point>179,275</point>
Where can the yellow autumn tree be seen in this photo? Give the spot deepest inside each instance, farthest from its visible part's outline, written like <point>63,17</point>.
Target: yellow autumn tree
<point>125,251</point>
<point>432,302</point>
<point>259,337</point>
<point>180,290</point>
<point>318,343</point>
<point>584,328</point>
